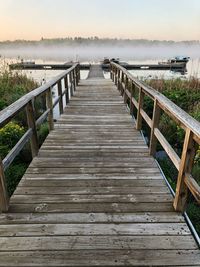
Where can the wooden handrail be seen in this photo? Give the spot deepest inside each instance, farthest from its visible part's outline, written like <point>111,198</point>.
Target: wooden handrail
<point>185,181</point>
<point>26,102</point>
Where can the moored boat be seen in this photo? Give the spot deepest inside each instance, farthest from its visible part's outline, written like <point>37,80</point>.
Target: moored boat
<point>176,60</point>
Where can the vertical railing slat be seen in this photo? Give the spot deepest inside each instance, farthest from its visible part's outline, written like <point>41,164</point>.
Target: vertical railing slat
<point>155,123</point>
<point>71,84</point>
<point>74,79</point>
<point>67,89</point>
<point>131,102</point>
<point>61,97</point>
<point>49,103</point>
<point>140,106</point>
<point>32,125</point>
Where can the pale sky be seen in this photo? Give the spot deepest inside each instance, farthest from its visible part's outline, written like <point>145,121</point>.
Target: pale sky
<point>150,19</point>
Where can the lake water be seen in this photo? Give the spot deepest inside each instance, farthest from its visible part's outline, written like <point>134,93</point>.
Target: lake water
<point>193,69</point>
<point>42,76</point>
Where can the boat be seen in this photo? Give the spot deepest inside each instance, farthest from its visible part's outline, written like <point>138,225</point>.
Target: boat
<point>107,60</point>
<point>182,60</point>
<point>28,62</point>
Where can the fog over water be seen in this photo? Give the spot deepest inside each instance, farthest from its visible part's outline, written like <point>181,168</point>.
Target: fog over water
<point>95,53</point>
<point>141,53</point>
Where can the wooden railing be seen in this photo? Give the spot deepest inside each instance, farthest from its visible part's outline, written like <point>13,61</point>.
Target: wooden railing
<point>128,85</point>
<point>66,85</point>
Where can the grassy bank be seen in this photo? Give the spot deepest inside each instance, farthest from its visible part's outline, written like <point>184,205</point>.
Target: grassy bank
<point>12,87</point>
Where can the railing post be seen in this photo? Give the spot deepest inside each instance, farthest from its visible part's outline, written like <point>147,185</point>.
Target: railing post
<point>4,200</point>
<point>125,87</point>
<point>49,103</point>
<point>187,158</point>
<point>118,80</point>
<point>71,85</point>
<point>66,89</point>
<point>131,102</point>
<point>140,106</point>
<point>155,123</point>
<point>74,79</point>
<point>122,81</point>
<point>115,76</point>
<point>77,74</point>
<point>32,125</point>
<point>61,96</point>
<point>111,72</point>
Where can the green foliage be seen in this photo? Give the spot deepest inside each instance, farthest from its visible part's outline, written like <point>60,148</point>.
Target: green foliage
<point>14,175</point>
<point>193,211</point>
<point>9,136</point>
<point>13,85</point>
<point>43,132</point>
<point>197,158</point>
<point>169,170</point>
<point>185,94</point>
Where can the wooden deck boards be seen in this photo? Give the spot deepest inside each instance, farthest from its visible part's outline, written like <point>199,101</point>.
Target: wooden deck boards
<point>94,196</point>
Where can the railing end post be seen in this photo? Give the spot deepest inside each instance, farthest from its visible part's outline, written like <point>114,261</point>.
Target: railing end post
<point>187,158</point>
<point>4,199</point>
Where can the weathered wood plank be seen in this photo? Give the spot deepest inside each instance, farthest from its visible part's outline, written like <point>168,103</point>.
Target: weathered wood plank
<point>101,258</point>
<point>158,229</point>
<point>51,218</point>
<point>103,164</point>
<point>91,170</point>
<point>84,190</point>
<point>96,243</point>
<point>97,176</point>
<point>78,182</point>
<point>130,198</point>
<point>94,207</point>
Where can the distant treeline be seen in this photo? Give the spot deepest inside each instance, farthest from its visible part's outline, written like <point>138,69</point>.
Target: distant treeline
<point>96,40</point>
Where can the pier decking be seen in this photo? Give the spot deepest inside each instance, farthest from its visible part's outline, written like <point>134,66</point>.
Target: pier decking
<point>94,196</point>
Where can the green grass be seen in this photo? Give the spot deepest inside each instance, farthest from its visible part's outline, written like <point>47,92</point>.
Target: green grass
<point>13,85</point>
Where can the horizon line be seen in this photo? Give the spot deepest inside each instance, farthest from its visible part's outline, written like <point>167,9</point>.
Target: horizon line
<point>98,38</point>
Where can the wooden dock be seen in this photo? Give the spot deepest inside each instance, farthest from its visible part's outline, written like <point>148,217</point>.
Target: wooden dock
<point>178,67</point>
<point>94,196</point>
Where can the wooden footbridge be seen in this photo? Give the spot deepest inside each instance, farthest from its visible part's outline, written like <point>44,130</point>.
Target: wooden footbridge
<point>93,194</point>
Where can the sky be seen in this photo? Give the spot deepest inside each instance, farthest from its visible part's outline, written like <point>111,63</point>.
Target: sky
<point>135,19</point>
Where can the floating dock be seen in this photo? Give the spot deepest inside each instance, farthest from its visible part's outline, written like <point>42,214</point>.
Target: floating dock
<point>25,66</point>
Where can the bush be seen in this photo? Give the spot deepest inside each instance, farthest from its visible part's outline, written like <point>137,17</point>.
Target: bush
<point>9,136</point>
<point>12,86</point>
<point>13,176</point>
<point>43,132</point>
